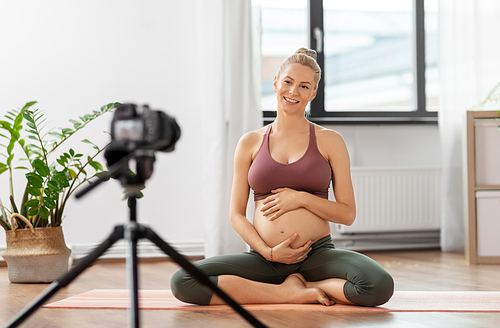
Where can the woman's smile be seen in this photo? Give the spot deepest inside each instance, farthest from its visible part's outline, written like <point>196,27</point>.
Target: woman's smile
<point>290,100</point>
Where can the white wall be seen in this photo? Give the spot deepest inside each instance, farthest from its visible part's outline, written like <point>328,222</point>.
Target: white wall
<point>392,145</point>
<point>73,57</point>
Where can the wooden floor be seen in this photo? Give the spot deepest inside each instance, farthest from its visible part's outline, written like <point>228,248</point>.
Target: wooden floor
<point>412,270</point>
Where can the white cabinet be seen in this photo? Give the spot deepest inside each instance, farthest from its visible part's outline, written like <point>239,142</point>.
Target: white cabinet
<point>488,222</point>
<point>487,149</point>
<point>482,183</point>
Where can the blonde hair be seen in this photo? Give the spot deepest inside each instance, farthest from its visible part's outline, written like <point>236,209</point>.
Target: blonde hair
<point>306,57</point>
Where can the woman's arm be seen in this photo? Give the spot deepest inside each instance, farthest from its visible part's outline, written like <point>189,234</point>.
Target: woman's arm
<point>241,191</point>
<point>239,198</point>
<point>343,209</point>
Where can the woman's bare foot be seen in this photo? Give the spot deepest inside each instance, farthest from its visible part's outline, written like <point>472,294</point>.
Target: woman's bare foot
<point>336,286</point>
<point>300,294</point>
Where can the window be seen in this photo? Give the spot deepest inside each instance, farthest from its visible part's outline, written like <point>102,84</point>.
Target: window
<point>378,57</point>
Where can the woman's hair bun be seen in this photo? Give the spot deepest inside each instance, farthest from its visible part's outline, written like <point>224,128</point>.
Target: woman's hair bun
<point>309,52</point>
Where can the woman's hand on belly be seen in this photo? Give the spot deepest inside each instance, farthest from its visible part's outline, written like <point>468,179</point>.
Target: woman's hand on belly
<point>294,228</point>
<point>283,253</point>
<point>283,200</point>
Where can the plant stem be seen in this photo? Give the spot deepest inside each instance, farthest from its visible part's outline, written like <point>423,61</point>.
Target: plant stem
<point>11,182</point>
<point>24,209</point>
<point>3,218</point>
<point>14,207</point>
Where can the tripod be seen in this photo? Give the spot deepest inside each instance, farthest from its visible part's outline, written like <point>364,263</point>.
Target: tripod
<point>132,232</point>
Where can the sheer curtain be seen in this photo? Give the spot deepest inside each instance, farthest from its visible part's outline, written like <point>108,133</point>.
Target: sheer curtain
<point>469,63</point>
<point>229,91</point>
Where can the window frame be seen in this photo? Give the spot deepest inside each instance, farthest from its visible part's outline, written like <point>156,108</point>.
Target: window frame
<point>319,115</point>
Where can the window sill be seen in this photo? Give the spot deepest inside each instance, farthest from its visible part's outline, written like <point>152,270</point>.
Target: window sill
<point>359,118</point>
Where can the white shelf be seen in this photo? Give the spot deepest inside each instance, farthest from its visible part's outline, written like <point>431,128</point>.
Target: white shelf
<point>480,245</point>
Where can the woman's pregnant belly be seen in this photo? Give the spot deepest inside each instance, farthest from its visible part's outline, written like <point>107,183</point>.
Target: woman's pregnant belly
<point>307,225</point>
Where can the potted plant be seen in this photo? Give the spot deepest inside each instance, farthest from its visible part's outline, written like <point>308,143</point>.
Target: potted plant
<point>36,251</point>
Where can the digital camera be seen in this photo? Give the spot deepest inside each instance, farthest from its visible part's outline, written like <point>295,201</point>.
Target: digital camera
<point>136,127</point>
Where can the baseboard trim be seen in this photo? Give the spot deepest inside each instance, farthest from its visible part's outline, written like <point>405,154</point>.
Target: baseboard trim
<point>145,249</point>
<point>388,241</point>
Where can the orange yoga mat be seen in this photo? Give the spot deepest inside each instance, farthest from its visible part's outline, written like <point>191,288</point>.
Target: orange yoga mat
<point>402,301</point>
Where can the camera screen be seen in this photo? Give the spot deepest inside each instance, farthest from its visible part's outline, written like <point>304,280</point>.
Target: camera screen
<point>129,130</point>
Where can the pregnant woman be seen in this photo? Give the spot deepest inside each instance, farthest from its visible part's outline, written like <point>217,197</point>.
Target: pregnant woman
<point>289,165</point>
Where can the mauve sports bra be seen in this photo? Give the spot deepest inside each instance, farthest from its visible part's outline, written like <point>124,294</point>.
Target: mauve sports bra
<point>310,173</point>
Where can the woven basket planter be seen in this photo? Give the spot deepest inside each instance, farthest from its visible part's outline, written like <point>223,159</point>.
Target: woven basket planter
<point>36,255</point>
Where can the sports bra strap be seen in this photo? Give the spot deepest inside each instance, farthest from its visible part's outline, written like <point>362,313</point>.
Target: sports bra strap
<point>312,132</point>
<point>268,130</point>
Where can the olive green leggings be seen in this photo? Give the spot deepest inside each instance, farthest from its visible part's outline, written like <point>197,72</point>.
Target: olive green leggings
<point>367,284</point>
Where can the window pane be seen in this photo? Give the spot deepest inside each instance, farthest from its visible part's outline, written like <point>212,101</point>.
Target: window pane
<point>369,55</point>
<point>284,30</point>
<point>432,90</point>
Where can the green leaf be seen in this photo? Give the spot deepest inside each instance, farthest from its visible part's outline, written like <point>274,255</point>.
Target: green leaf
<point>44,212</point>
<point>32,202</point>
<point>36,152</point>
<point>28,105</point>
<point>53,194</point>
<point>61,179</point>
<point>109,107</point>
<point>56,134</point>
<point>40,167</point>
<point>18,120</point>
<point>33,191</point>
<point>10,147</point>
<point>87,141</point>
<point>34,179</point>
<point>72,152</point>
<point>49,202</point>
<point>33,211</point>
<point>3,168</point>
<point>54,186</point>
<point>9,159</point>
<point>27,116</point>
<point>96,165</point>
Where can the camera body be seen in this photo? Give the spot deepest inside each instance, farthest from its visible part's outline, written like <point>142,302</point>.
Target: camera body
<point>136,127</point>
<point>137,132</point>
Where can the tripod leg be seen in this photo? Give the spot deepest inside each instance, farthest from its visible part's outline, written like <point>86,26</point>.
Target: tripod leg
<point>65,279</point>
<point>131,234</point>
<point>200,276</point>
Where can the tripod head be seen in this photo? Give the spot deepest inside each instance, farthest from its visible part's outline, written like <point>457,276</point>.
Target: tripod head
<point>132,181</point>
